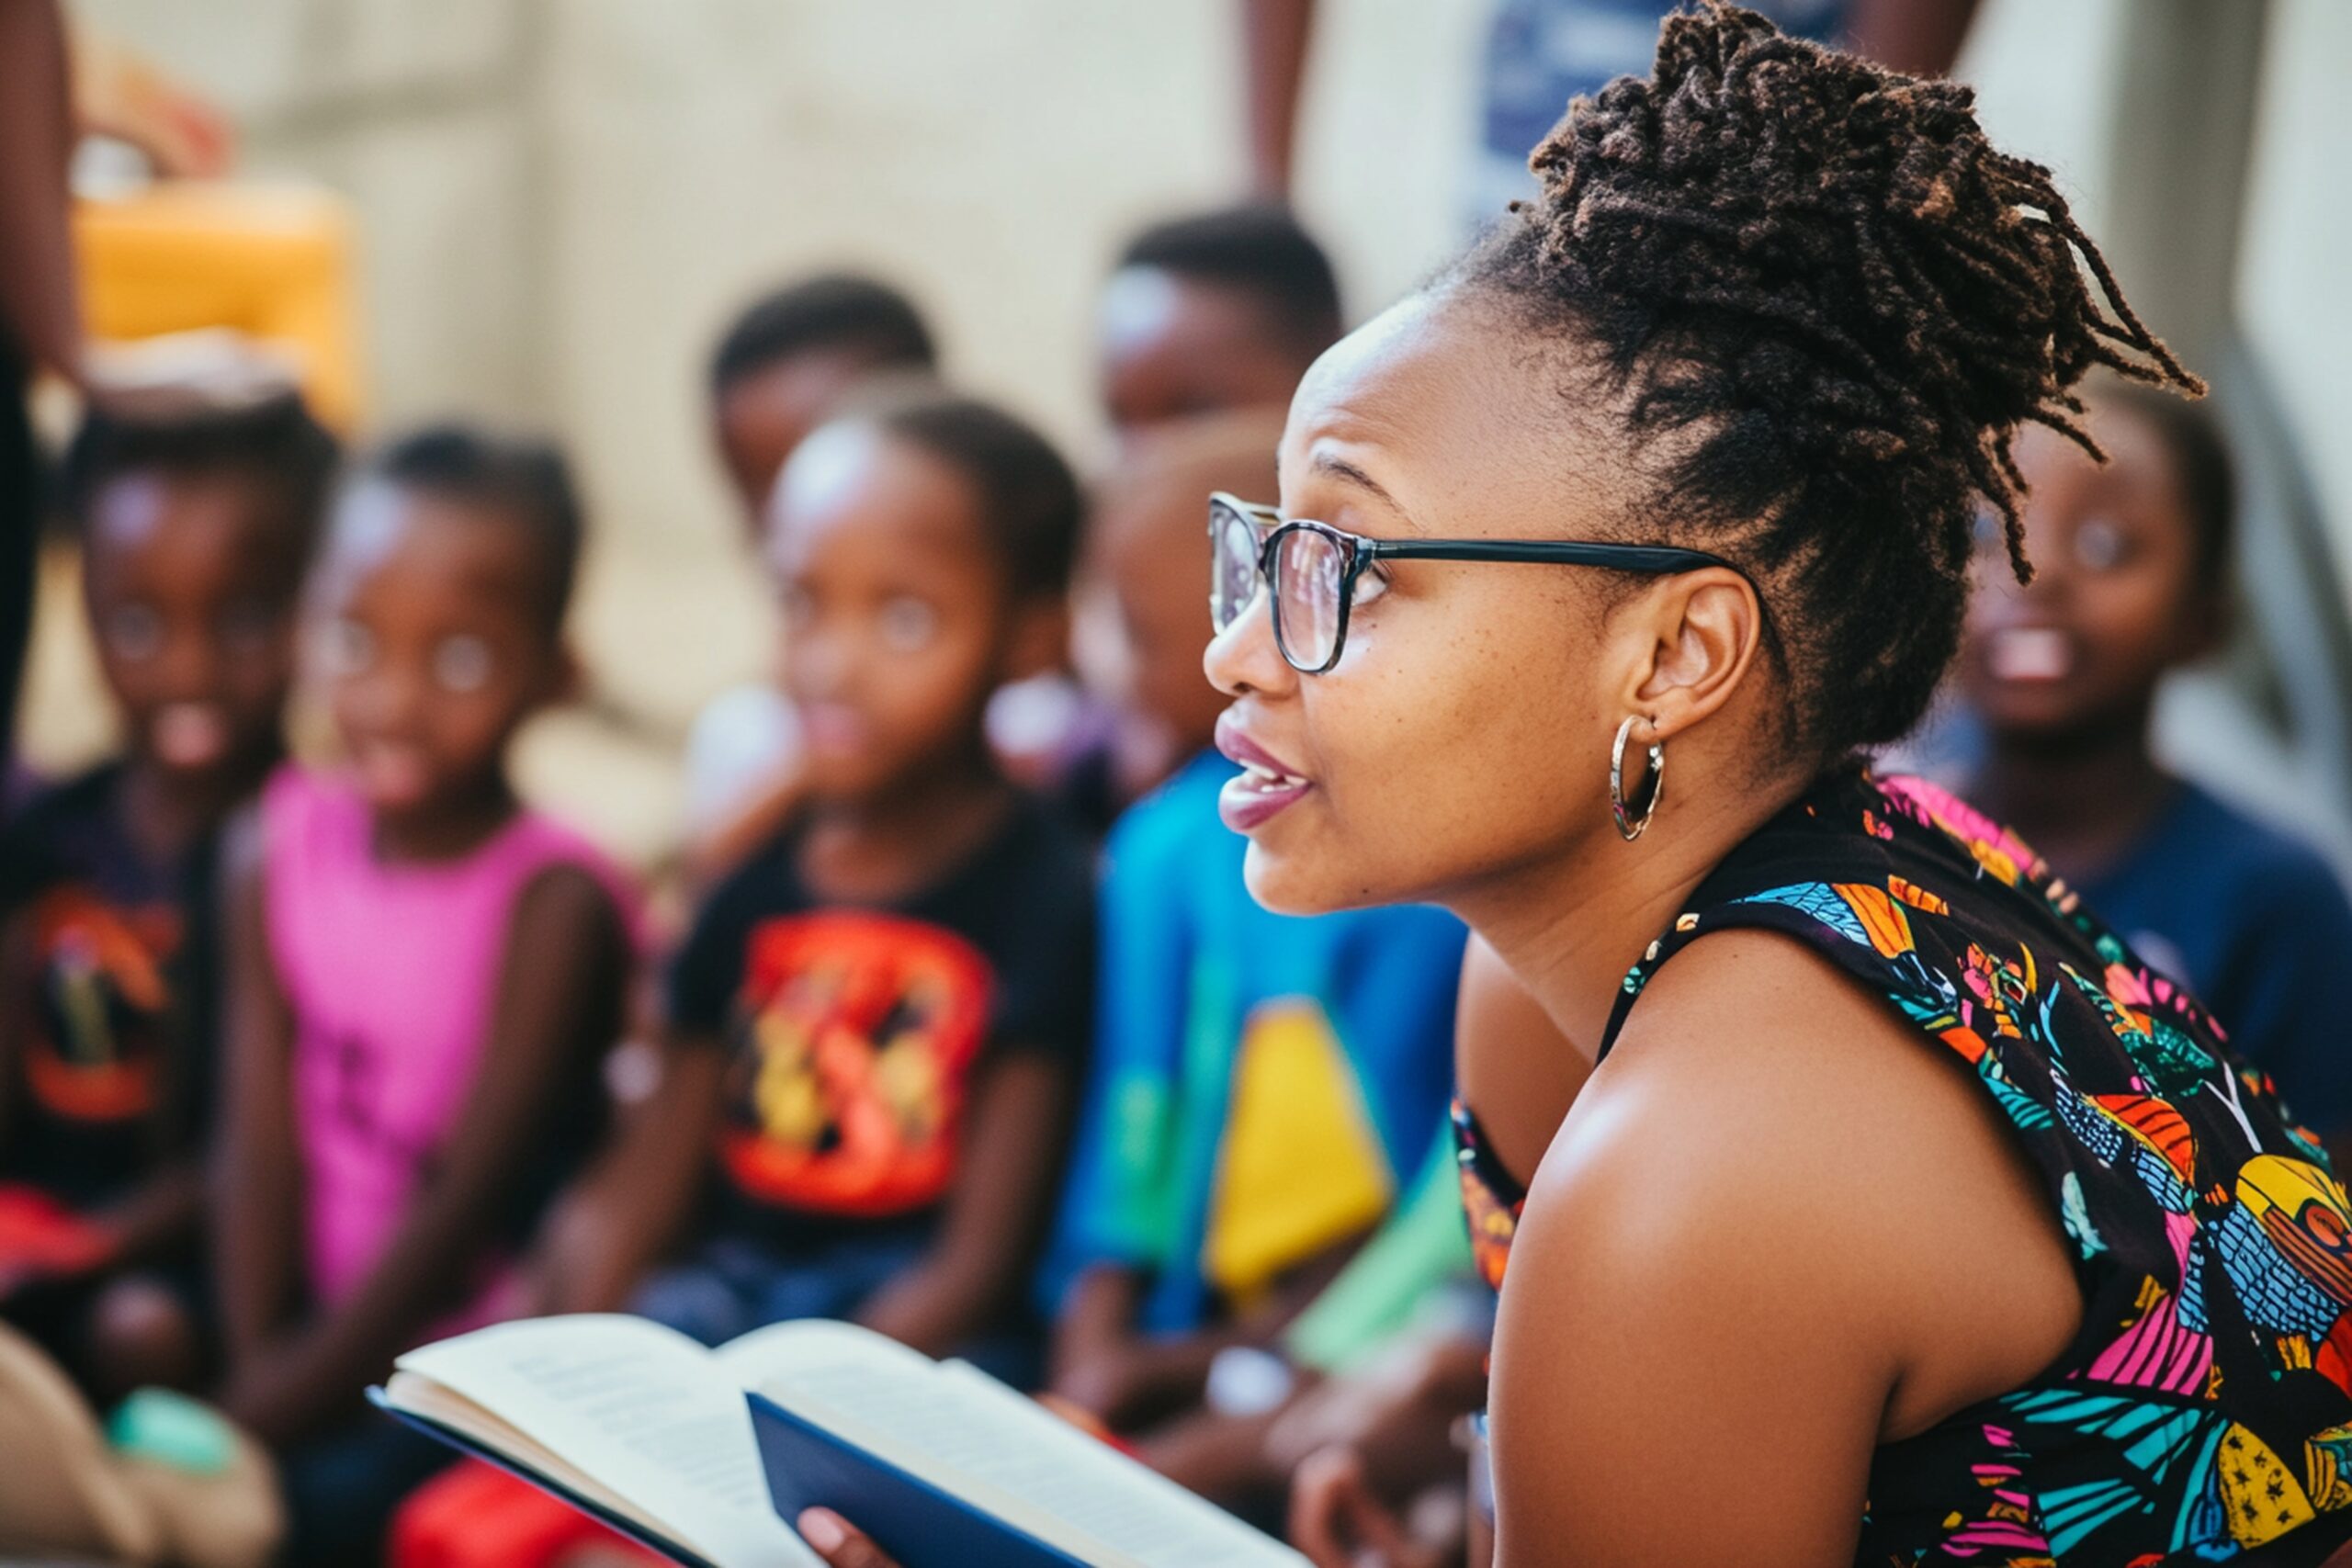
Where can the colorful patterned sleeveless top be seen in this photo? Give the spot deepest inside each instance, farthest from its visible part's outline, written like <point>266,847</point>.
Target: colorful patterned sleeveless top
<point>2205,1408</point>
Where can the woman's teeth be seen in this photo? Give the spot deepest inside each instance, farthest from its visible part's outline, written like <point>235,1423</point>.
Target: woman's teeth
<point>1260,776</point>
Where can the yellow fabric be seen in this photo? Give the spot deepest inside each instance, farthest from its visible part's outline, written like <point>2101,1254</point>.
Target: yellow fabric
<point>273,263</point>
<point>1301,1167</point>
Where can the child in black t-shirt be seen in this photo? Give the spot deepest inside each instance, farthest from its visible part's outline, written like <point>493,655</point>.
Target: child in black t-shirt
<point>196,529</point>
<point>890,997</point>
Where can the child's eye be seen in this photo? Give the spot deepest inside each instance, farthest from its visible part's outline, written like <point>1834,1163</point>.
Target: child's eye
<point>135,631</point>
<point>2100,545</point>
<point>461,663</point>
<point>350,647</point>
<point>908,623</point>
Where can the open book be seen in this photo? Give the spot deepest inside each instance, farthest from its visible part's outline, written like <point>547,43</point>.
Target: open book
<point>705,1454</point>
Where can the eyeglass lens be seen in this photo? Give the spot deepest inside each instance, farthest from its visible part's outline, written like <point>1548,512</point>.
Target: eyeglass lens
<point>1309,569</point>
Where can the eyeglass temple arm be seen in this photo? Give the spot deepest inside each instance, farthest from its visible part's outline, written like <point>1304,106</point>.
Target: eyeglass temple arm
<point>1563,552</point>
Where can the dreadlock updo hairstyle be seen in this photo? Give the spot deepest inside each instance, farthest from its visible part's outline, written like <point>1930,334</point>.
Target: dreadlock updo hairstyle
<point>1829,301</point>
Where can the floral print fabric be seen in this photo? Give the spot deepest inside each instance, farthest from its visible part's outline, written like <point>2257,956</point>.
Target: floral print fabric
<point>2205,1410</point>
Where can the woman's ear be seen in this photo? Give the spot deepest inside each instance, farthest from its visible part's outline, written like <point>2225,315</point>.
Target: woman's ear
<point>1038,642</point>
<point>1703,630</point>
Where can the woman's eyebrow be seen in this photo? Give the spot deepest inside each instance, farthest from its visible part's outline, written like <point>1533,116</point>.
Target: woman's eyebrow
<point>1339,469</point>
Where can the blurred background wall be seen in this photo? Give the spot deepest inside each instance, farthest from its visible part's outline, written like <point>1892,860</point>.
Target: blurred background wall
<point>560,201</point>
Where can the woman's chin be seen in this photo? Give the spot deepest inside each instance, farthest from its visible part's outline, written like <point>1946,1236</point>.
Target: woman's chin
<point>1296,884</point>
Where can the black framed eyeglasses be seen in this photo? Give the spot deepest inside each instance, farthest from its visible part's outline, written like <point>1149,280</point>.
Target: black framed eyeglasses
<point>1313,569</point>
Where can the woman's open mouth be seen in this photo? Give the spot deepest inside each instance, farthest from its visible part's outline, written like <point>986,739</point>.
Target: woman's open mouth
<point>1264,786</point>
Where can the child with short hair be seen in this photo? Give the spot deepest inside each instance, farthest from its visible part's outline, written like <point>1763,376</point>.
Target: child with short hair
<point>424,974</point>
<point>1266,1089</point>
<point>878,1018</point>
<point>777,372</point>
<point>2133,580</point>
<point>1220,310</point>
<point>195,526</point>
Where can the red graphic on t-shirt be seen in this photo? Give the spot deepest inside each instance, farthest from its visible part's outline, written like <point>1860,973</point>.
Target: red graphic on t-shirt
<point>102,1008</point>
<point>855,1034</point>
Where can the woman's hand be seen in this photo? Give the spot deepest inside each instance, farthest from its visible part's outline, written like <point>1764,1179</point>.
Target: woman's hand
<point>838,1541</point>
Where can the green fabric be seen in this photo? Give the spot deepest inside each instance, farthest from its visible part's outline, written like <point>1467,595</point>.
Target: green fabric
<point>1423,1245</point>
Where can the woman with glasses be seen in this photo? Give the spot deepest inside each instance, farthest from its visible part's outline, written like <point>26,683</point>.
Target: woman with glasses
<point>1907,1215</point>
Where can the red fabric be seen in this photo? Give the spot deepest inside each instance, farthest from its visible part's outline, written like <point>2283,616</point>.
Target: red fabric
<point>477,1516</point>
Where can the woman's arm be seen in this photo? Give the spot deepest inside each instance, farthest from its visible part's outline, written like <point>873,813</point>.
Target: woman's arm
<point>1013,1145</point>
<point>1778,1230</point>
<point>256,1241</point>
<point>558,1001</point>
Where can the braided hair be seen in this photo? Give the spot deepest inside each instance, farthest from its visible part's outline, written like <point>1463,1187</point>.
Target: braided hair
<point>1829,301</point>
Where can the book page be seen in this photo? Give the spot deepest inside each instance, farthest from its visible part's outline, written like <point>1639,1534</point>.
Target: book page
<point>646,1413</point>
<point>973,1437</point>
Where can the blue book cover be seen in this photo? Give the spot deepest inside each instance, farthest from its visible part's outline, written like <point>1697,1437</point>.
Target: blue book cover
<point>907,1516</point>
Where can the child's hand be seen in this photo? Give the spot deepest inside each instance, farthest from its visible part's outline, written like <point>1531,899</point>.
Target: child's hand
<point>1338,1522</point>
<point>838,1541</point>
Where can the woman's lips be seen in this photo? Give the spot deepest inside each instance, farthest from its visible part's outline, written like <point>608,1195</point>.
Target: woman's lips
<point>1263,787</point>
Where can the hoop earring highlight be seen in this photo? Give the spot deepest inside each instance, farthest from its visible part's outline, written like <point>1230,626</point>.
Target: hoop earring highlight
<point>1630,827</point>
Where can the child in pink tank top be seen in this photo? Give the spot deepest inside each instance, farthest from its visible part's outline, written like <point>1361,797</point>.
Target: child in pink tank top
<point>424,977</point>
<point>382,1063</point>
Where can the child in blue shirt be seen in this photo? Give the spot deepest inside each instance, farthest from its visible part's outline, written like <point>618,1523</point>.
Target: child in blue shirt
<point>2132,580</point>
<point>1265,1089</point>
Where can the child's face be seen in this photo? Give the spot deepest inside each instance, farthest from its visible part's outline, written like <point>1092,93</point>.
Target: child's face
<point>190,582</point>
<point>1175,347</point>
<point>2116,599</point>
<point>1154,560</point>
<point>437,645</point>
<point>896,624</point>
<point>759,418</point>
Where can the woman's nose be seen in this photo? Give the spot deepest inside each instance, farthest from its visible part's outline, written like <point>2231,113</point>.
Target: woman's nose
<point>1244,658</point>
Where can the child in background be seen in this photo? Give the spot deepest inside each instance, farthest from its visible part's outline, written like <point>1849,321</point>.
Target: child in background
<point>878,1018</point>
<point>2133,580</point>
<point>1224,310</point>
<point>423,975</point>
<point>1211,313</point>
<point>196,529</point>
<point>1265,1089</point>
<point>777,372</point>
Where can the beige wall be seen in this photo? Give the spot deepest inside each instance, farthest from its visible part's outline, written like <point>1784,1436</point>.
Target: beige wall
<point>561,202</point>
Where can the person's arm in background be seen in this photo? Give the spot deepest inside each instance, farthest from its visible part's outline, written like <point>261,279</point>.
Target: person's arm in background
<point>978,1263</point>
<point>608,1229</point>
<point>1921,37</point>
<point>1113,1223</point>
<point>559,996</point>
<point>38,304</point>
<point>1275,38</point>
<point>256,1237</point>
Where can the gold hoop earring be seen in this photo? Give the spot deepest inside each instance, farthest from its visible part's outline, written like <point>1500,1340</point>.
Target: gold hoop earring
<point>1630,827</point>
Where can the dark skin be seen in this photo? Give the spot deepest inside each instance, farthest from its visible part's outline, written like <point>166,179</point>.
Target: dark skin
<point>189,581</point>
<point>443,649</point>
<point>1888,1249</point>
<point>898,625</point>
<point>2064,672</point>
<point>1170,347</point>
<point>1145,531</point>
<point>38,308</point>
<point>759,417</point>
